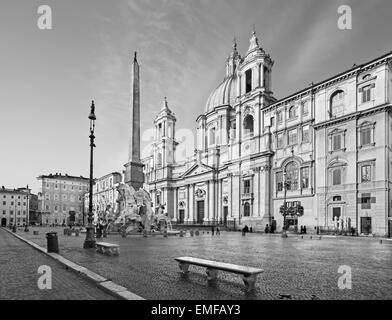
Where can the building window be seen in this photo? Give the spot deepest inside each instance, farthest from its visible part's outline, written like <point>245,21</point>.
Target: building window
<point>366,93</point>
<point>305,134</point>
<point>279,115</point>
<point>64,208</point>
<point>365,134</point>
<point>246,186</point>
<point>56,208</point>
<point>4,203</point>
<point>248,80</point>
<point>246,209</point>
<point>305,108</point>
<point>159,160</point>
<point>212,136</point>
<point>280,141</point>
<point>337,198</point>
<point>279,181</point>
<point>366,201</point>
<point>305,178</point>
<point>292,137</point>
<point>248,125</point>
<point>292,176</point>
<point>292,112</point>
<point>366,173</point>
<point>272,121</point>
<point>336,104</point>
<point>336,177</point>
<point>336,142</point>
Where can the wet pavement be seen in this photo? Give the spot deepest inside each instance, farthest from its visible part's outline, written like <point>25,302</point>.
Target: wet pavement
<point>294,268</point>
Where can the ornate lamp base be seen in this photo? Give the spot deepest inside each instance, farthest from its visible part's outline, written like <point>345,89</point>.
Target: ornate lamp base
<point>90,238</point>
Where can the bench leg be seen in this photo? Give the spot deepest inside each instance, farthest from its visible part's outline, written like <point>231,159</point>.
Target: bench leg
<point>211,274</point>
<point>249,281</point>
<point>184,267</point>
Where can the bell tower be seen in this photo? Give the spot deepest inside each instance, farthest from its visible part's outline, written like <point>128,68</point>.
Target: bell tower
<point>165,144</point>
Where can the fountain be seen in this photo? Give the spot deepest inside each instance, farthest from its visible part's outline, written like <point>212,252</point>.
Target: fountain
<point>134,214</point>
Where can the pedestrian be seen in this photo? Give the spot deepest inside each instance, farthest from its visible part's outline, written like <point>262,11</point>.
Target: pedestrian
<point>251,230</point>
<point>243,231</point>
<point>217,231</point>
<point>304,229</point>
<point>266,228</point>
<point>212,231</point>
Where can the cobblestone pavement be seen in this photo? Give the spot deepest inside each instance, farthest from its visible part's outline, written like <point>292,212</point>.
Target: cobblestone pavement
<point>19,275</point>
<point>294,268</point>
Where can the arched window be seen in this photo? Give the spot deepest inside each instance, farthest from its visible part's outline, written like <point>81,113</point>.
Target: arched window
<point>336,177</point>
<point>246,209</point>
<point>292,112</point>
<point>248,125</point>
<point>336,104</point>
<point>292,176</point>
<point>212,136</point>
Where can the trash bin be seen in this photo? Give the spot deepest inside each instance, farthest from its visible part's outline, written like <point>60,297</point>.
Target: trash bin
<point>52,242</point>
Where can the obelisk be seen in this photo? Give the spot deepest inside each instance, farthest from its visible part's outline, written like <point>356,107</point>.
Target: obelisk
<point>134,168</point>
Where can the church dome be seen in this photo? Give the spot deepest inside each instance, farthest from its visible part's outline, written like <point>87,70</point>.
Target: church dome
<point>224,94</point>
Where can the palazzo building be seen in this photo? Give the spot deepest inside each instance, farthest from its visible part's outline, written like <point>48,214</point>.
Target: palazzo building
<point>326,147</point>
<point>14,206</point>
<point>61,198</point>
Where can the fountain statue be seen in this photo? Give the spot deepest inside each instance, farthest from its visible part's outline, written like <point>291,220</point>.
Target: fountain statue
<point>134,214</point>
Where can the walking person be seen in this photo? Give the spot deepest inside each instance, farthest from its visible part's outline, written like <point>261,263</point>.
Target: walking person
<point>212,231</point>
<point>217,231</point>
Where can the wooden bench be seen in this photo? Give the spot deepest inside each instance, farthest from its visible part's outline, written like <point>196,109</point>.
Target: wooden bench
<point>108,248</point>
<point>249,274</point>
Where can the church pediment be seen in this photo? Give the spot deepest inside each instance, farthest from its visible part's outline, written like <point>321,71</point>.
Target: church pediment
<point>197,169</point>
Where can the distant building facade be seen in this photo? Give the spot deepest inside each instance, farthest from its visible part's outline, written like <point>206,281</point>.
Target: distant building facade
<point>61,198</point>
<point>13,206</point>
<point>104,194</point>
<point>327,148</point>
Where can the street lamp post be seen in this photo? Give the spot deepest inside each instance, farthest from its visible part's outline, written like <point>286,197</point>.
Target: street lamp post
<point>284,200</point>
<point>89,242</point>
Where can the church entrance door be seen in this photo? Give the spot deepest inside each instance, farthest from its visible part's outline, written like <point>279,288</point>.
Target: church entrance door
<point>200,211</point>
<point>181,216</point>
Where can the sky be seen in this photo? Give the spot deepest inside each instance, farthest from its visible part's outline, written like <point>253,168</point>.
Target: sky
<point>49,77</point>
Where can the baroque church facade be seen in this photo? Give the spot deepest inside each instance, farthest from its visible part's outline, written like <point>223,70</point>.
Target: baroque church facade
<point>326,148</point>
